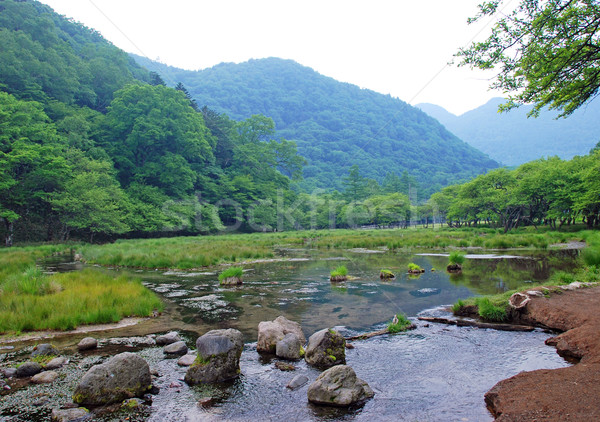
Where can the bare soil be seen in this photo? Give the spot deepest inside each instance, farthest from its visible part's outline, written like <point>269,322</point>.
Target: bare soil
<point>566,394</point>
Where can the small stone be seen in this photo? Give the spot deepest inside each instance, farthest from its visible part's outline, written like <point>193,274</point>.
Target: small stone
<point>154,372</point>
<point>175,385</point>
<point>169,338</point>
<point>46,377</point>
<point>297,382</point>
<point>186,360</point>
<point>70,415</point>
<point>534,293</point>
<point>87,343</point>
<point>206,402</point>
<point>349,346</point>
<point>339,386</point>
<point>10,372</point>
<point>177,348</point>
<point>44,349</point>
<point>28,369</point>
<point>57,363</point>
<point>282,366</point>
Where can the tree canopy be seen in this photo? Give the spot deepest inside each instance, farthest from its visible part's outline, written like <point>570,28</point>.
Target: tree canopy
<point>547,51</point>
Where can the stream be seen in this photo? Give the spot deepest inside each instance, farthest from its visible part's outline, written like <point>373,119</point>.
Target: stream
<point>433,373</point>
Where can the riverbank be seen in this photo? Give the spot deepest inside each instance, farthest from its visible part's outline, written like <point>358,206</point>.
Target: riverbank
<point>565,394</point>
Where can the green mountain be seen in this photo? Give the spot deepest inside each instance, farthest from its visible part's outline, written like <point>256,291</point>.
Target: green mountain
<point>335,125</point>
<point>513,139</point>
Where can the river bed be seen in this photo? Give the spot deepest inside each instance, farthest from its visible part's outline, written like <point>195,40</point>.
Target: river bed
<point>433,373</point>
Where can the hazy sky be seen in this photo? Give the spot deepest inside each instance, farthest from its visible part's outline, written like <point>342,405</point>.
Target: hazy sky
<point>395,47</point>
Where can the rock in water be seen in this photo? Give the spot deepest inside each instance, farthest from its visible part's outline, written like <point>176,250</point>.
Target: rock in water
<point>70,415</point>
<point>325,349</point>
<point>218,357</point>
<point>186,360</point>
<point>339,386</point>
<point>177,348</point>
<point>289,347</point>
<point>169,338</point>
<point>44,349</point>
<point>270,332</point>
<point>28,369</point>
<point>87,343</point>
<point>124,376</point>
<point>297,382</point>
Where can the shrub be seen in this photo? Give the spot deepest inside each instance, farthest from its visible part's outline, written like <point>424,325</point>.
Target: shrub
<point>400,325</point>
<point>231,272</point>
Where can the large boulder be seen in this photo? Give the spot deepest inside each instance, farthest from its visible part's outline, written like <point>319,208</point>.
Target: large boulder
<point>44,349</point>
<point>218,357</point>
<point>289,347</point>
<point>325,349</point>
<point>124,376</point>
<point>270,332</point>
<point>339,386</point>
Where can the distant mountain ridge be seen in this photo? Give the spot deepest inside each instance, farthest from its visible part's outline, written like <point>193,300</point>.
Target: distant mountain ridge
<point>334,124</point>
<point>513,139</point>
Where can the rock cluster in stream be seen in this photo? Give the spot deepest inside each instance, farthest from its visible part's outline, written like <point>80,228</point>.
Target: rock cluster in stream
<point>126,379</point>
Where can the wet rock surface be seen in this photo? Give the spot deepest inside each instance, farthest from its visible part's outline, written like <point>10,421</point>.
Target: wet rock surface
<point>325,349</point>
<point>218,357</point>
<point>87,343</point>
<point>270,332</point>
<point>178,348</point>
<point>289,347</point>
<point>339,386</point>
<point>123,376</point>
<point>169,338</point>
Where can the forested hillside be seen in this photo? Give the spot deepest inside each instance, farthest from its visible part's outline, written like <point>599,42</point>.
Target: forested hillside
<point>93,144</point>
<point>335,125</point>
<point>512,139</point>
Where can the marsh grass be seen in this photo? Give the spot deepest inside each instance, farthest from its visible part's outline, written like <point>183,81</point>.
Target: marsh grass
<point>231,272</point>
<point>76,298</point>
<point>340,271</point>
<point>456,257</point>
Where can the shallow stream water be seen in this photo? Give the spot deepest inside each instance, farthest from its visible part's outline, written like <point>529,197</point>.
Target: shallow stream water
<point>433,373</point>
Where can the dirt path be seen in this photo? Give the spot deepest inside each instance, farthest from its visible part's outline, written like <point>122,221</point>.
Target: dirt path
<point>566,394</point>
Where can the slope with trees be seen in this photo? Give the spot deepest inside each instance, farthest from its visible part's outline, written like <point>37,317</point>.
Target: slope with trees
<point>335,125</point>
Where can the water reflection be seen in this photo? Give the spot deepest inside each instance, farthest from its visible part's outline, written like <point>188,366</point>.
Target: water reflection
<point>300,288</point>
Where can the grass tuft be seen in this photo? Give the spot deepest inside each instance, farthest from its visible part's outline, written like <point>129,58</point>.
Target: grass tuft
<point>340,271</point>
<point>401,325</point>
<point>231,272</point>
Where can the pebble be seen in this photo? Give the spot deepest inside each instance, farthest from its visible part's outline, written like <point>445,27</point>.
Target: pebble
<point>57,362</point>
<point>206,402</point>
<point>178,348</point>
<point>297,382</point>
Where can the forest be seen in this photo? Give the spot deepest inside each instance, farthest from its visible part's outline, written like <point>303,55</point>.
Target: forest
<point>93,146</point>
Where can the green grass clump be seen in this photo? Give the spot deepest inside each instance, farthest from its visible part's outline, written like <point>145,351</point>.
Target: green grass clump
<point>340,271</point>
<point>386,274</point>
<point>231,272</point>
<point>458,305</point>
<point>402,324</point>
<point>412,267</point>
<point>490,311</point>
<point>456,257</point>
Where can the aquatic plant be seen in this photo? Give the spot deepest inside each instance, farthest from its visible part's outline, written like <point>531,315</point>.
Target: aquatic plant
<point>457,306</point>
<point>398,324</point>
<point>231,272</point>
<point>386,274</point>
<point>456,257</point>
<point>340,271</point>
<point>414,268</point>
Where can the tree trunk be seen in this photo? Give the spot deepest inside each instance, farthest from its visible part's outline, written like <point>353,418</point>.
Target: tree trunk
<point>8,238</point>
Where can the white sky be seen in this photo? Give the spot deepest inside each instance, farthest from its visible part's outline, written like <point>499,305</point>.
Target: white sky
<point>396,47</point>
